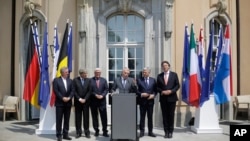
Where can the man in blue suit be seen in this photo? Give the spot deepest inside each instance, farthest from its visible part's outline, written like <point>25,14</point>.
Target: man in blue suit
<point>64,91</point>
<point>167,86</point>
<point>82,87</point>
<point>99,86</point>
<point>147,90</point>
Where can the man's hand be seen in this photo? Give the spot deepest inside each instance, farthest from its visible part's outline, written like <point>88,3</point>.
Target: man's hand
<point>166,92</point>
<point>66,99</point>
<point>98,96</point>
<point>151,96</point>
<point>144,94</point>
<point>82,100</point>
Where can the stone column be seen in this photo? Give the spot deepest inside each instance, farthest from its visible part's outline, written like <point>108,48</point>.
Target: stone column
<point>82,55</point>
<point>168,30</point>
<point>168,18</point>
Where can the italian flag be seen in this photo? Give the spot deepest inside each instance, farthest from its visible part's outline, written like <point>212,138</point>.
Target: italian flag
<point>194,86</point>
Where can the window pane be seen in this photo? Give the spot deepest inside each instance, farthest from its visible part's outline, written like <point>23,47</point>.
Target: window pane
<point>131,64</point>
<point>119,64</point>
<point>138,74</point>
<point>131,23</point>
<point>139,24</point>
<point>139,64</point>
<point>119,36</point>
<point>111,75</point>
<point>119,22</point>
<point>111,36</point>
<point>132,74</point>
<point>111,64</point>
<point>111,52</point>
<point>131,53</point>
<point>111,24</point>
<point>118,74</point>
<point>119,53</point>
<point>139,52</point>
<point>131,36</point>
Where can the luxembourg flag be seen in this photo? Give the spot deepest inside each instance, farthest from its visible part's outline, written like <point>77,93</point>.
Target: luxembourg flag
<point>223,77</point>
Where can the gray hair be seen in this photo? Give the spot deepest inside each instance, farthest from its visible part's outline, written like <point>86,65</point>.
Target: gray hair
<point>147,69</point>
<point>98,69</point>
<point>63,69</point>
<point>82,71</point>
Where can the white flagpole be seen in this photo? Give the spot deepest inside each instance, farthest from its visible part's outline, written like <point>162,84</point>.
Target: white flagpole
<point>47,123</point>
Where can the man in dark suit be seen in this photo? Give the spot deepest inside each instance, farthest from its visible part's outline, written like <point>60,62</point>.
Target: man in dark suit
<point>167,86</point>
<point>124,84</point>
<point>82,87</point>
<point>99,86</point>
<point>147,90</point>
<point>64,92</point>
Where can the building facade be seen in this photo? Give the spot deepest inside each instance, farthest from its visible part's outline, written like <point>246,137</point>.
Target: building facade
<point>112,34</point>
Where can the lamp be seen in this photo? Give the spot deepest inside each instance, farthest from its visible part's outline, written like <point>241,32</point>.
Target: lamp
<point>168,34</point>
<point>82,34</point>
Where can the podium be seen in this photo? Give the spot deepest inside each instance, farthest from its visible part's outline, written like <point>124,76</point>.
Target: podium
<point>124,117</point>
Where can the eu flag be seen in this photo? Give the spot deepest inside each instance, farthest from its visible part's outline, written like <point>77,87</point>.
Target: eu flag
<point>206,80</point>
<point>44,90</point>
<point>185,69</point>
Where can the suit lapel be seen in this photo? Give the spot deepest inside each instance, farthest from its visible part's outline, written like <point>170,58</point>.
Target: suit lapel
<point>62,84</point>
<point>162,78</point>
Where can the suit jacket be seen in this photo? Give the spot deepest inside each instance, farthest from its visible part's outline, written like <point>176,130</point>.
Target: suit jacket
<point>60,91</point>
<point>130,86</point>
<point>151,88</point>
<point>102,90</point>
<point>81,91</point>
<point>173,85</point>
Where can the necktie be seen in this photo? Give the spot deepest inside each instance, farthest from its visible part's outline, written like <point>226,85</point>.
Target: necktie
<point>82,81</point>
<point>124,83</point>
<point>146,81</point>
<point>166,78</point>
<point>97,83</point>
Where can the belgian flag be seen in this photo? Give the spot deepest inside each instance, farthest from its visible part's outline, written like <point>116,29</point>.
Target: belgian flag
<point>63,55</point>
<point>62,59</point>
<point>32,73</point>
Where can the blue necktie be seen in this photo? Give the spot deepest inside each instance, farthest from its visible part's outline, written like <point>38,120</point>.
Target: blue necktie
<point>82,81</point>
<point>124,83</point>
<point>146,81</point>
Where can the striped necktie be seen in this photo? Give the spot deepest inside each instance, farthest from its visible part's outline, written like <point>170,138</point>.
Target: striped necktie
<point>98,83</point>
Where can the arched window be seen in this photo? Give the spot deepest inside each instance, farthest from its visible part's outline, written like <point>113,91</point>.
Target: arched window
<point>125,42</point>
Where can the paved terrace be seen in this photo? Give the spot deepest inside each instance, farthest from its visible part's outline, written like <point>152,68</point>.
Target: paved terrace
<point>13,130</point>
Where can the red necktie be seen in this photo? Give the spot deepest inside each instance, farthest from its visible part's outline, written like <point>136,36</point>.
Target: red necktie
<point>97,83</point>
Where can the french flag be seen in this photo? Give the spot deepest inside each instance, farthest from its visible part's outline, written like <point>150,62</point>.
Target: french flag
<point>223,78</point>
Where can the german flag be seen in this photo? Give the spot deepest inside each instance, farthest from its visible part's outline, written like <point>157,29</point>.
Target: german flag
<point>32,74</point>
<point>63,55</point>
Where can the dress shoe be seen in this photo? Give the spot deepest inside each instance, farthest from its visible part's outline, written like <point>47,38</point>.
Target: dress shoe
<point>66,137</point>
<point>141,134</point>
<point>151,134</point>
<point>170,135</point>
<point>105,134</point>
<point>96,134</point>
<point>166,135</point>
<point>78,135</point>
<point>87,136</point>
<point>59,139</point>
